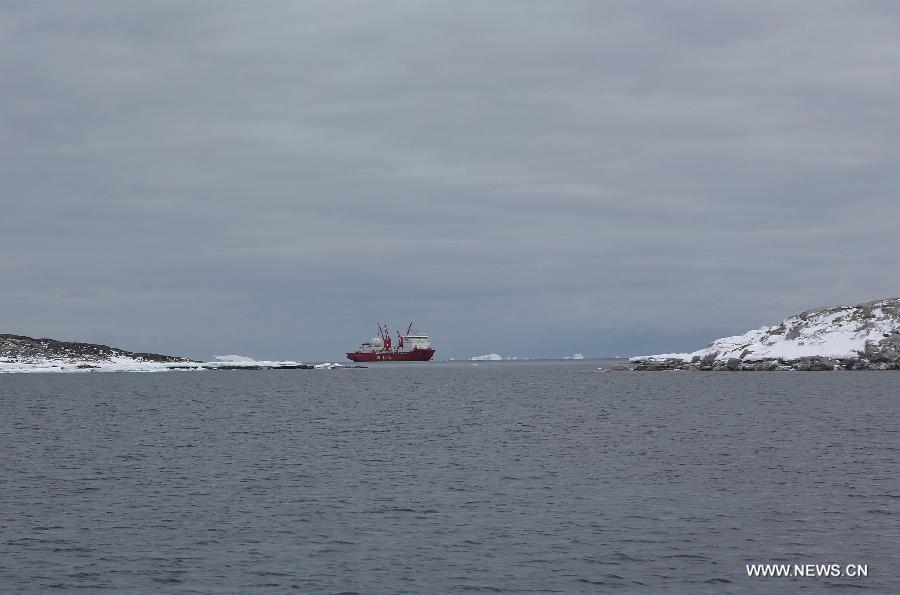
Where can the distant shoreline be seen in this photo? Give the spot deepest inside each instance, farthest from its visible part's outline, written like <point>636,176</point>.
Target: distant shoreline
<point>19,353</point>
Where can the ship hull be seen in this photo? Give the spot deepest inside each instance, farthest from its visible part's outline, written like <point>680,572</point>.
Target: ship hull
<point>416,355</point>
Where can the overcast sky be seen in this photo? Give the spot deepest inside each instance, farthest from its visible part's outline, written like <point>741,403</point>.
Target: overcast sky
<point>526,178</point>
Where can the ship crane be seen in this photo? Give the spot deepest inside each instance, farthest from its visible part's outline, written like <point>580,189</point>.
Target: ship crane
<point>386,337</point>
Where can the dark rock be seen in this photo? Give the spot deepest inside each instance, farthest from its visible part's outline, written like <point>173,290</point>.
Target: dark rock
<point>709,359</point>
<point>821,364</point>
<point>655,365</point>
<point>765,365</point>
<point>733,364</point>
<point>794,332</point>
<point>886,351</point>
<point>650,367</point>
<point>801,365</point>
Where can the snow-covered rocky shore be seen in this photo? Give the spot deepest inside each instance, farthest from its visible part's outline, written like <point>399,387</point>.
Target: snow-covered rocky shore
<point>861,337</point>
<point>25,354</point>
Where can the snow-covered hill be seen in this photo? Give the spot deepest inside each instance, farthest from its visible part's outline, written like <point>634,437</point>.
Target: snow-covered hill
<point>862,336</point>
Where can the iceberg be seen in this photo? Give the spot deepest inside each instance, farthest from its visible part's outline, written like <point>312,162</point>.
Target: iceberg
<point>492,357</point>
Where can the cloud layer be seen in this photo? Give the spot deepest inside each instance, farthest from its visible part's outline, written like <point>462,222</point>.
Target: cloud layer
<point>530,179</point>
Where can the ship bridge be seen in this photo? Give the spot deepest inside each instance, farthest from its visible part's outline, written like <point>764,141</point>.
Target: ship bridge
<point>416,341</point>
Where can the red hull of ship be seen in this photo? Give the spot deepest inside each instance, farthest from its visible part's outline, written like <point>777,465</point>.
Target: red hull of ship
<point>416,355</point>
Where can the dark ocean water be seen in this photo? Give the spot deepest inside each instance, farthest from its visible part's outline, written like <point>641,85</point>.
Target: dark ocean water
<point>440,478</point>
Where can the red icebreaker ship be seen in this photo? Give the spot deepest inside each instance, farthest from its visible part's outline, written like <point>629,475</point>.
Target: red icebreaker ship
<point>413,346</point>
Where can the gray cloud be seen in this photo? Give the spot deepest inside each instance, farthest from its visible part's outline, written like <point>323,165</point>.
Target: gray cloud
<point>526,178</point>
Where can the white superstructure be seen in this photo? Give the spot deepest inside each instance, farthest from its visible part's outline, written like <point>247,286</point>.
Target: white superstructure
<point>415,341</point>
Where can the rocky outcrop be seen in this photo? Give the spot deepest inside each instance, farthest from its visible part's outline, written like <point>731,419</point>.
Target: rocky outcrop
<point>21,348</point>
<point>861,337</point>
